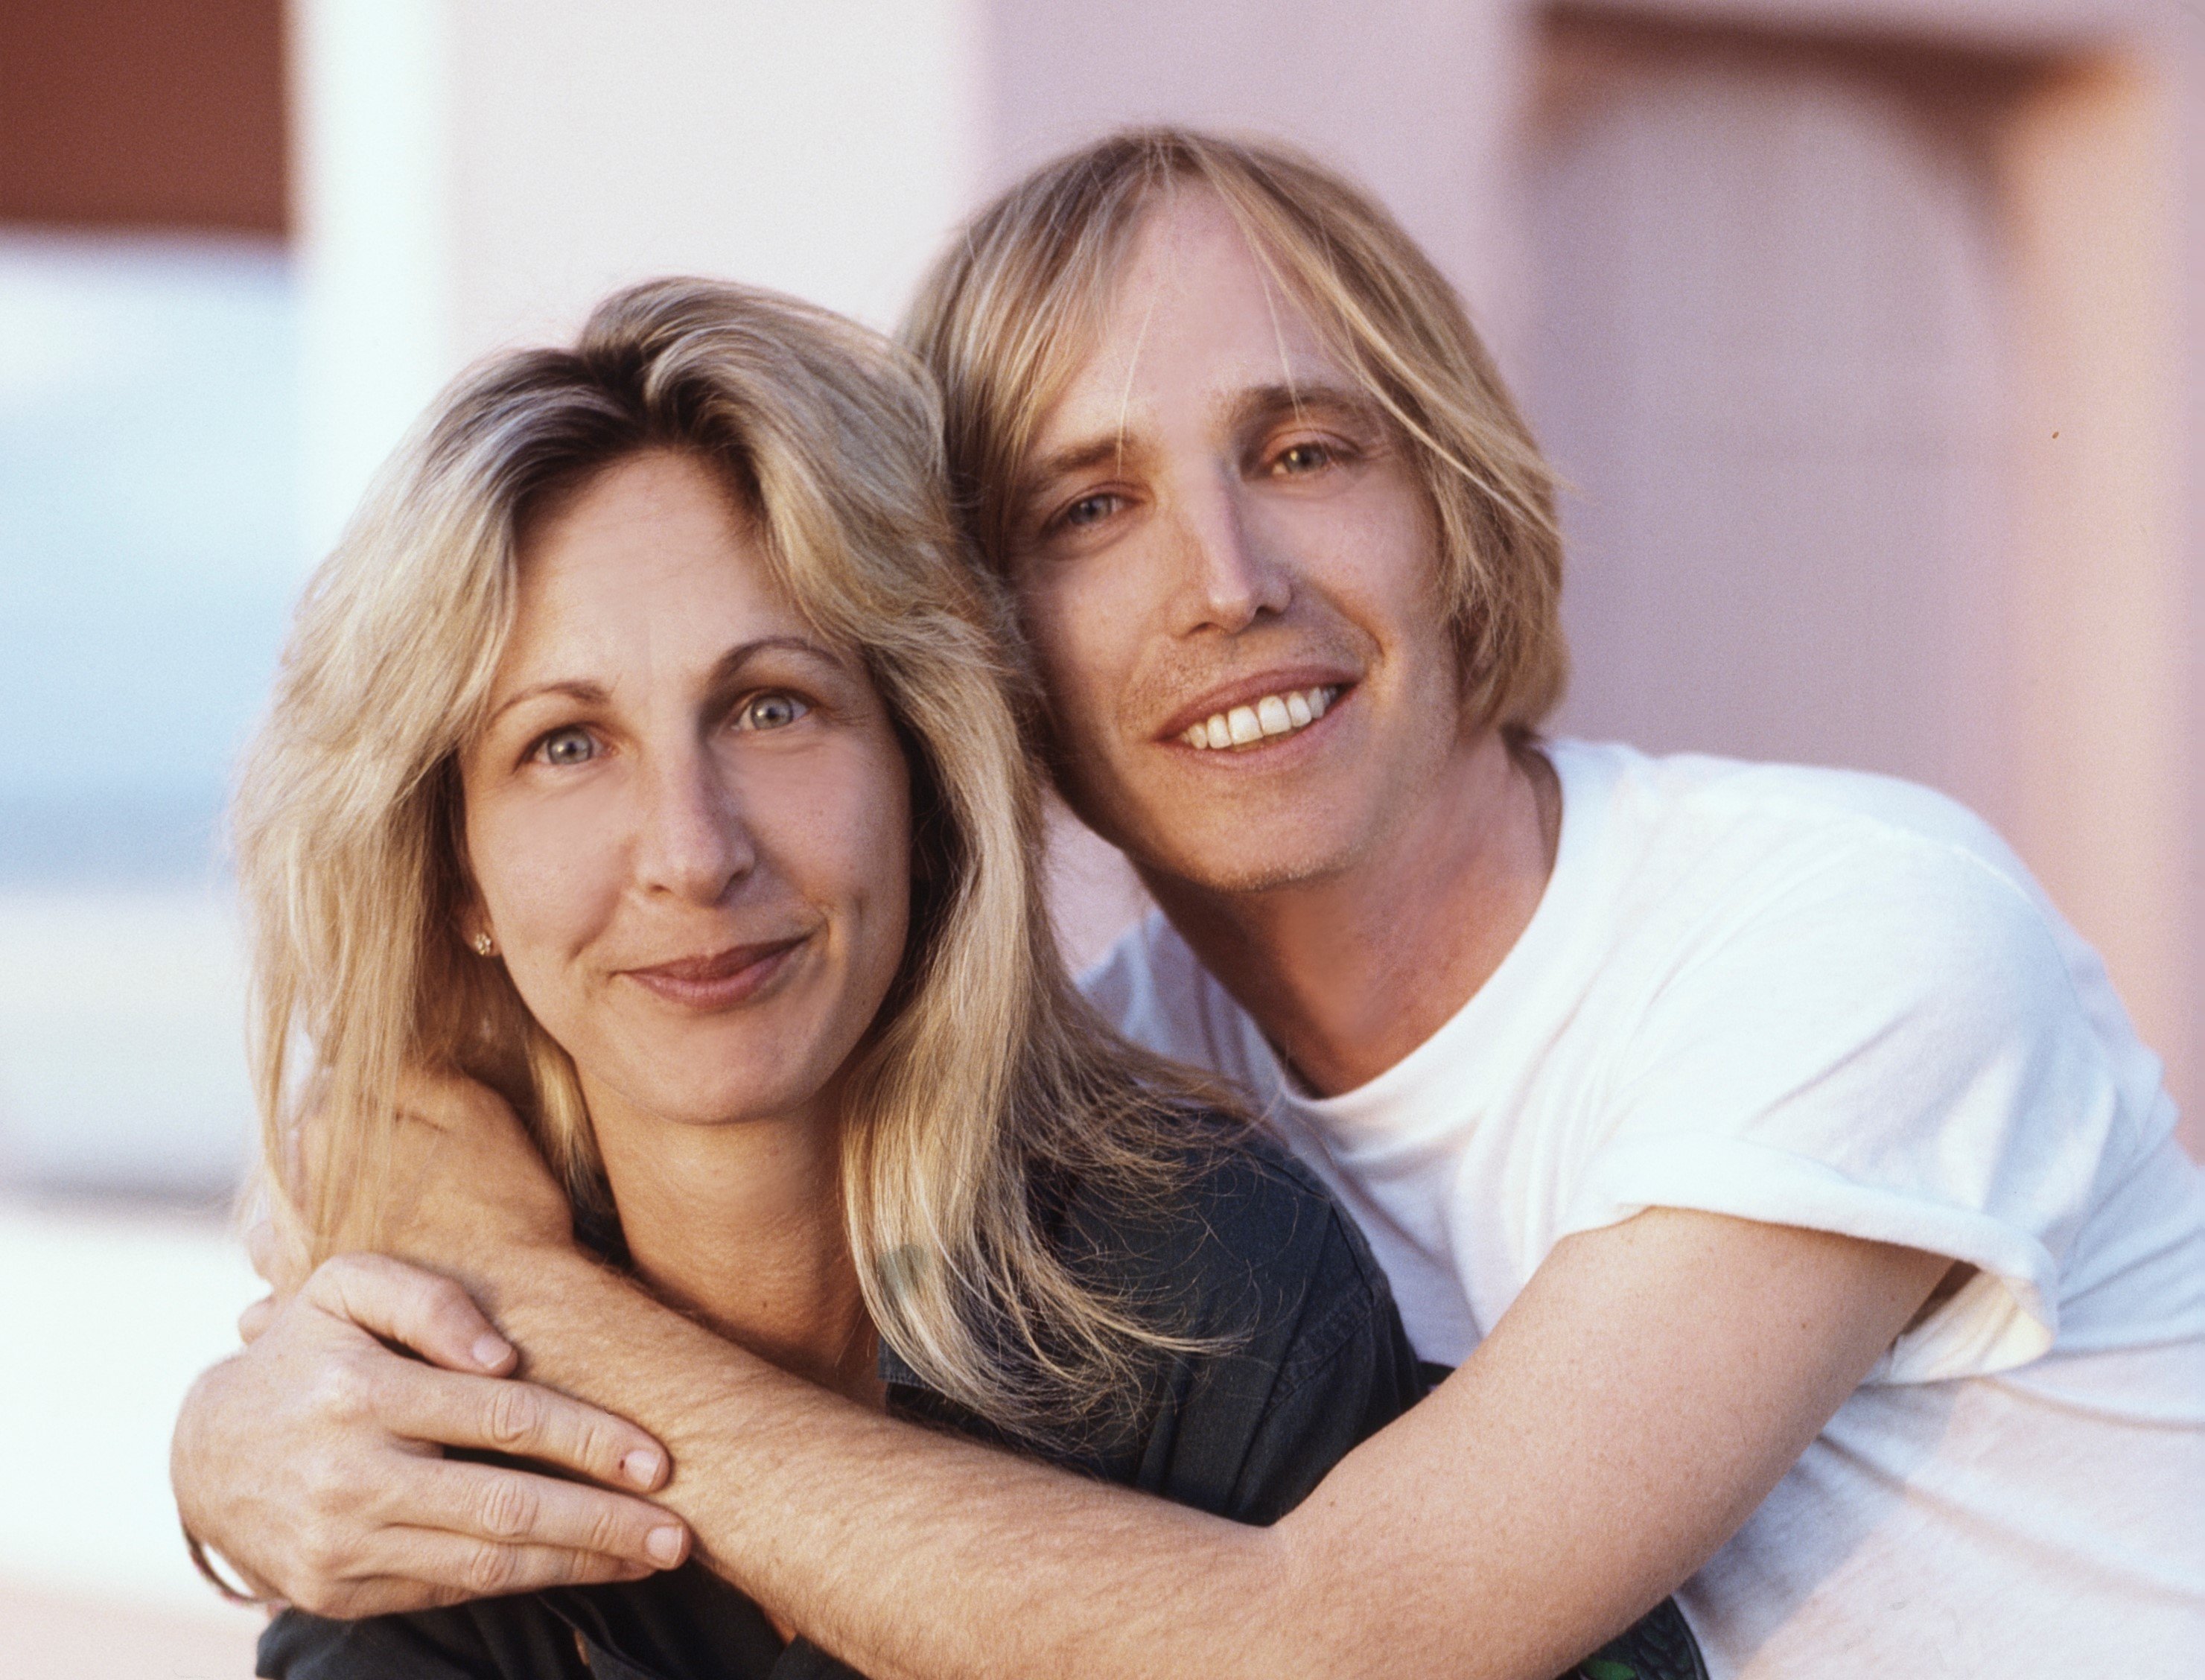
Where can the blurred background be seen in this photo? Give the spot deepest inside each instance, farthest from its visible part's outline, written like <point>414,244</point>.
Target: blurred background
<point>1868,333</point>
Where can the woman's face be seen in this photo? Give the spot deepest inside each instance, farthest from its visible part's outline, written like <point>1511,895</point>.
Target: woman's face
<point>688,819</point>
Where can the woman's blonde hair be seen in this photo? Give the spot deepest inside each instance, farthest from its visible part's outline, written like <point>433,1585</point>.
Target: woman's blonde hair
<point>987,1090</point>
<point>1013,306</point>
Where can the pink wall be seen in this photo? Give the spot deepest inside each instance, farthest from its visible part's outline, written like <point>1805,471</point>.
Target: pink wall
<point>1418,97</point>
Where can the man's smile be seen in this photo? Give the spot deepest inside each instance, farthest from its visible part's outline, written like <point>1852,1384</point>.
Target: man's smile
<point>1269,717</point>
<point>1263,708</point>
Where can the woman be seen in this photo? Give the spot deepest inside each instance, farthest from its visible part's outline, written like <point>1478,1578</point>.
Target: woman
<point>645,753</point>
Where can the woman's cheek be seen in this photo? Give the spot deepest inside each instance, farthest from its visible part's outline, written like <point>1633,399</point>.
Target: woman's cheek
<point>551,874</point>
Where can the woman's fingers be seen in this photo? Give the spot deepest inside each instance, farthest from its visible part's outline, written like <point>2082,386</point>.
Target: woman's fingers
<point>431,1315</point>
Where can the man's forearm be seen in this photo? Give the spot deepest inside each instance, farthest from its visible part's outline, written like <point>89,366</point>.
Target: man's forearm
<point>1644,1394</point>
<point>906,1552</point>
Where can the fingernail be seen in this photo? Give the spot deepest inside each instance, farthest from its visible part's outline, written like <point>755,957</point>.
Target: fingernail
<point>663,1545</point>
<point>492,1351</point>
<point>641,1467</point>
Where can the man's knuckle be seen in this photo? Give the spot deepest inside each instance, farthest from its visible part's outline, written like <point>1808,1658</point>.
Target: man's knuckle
<point>441,1297</point>
<point>516,1415</point>
<point>330,1489</point>
<point>491,1568</point>
<point>323,1555</point>
<point>343,1389</point>
<point>343,1272</point>
<point>509,1507</point>
<point>609,1528</point>
<point>593,1444</point>
<point>583,1569</point>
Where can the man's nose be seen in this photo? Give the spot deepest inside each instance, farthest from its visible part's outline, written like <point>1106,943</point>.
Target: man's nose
<point>694,842</point>
<point>1230,577</point>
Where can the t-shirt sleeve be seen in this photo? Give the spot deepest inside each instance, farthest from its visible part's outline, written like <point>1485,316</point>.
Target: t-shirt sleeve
<point>1887,1045</point>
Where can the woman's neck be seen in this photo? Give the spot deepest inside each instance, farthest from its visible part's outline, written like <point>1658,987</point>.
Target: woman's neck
<point>741,1226</point>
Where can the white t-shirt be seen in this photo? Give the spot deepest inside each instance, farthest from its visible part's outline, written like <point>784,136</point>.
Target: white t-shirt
<point>1833,1000</point>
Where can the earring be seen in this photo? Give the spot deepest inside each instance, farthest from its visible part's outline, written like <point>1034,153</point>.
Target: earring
<point>483,944</point>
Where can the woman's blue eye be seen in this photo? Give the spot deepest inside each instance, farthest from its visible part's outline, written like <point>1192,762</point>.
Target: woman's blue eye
<point>568,746</point>
<point>770,711</point>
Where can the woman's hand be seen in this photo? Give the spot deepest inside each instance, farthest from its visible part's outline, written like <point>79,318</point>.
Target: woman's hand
<point>313,1461</point>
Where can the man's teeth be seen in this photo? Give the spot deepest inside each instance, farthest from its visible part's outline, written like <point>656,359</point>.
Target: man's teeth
<point>1272,715</point>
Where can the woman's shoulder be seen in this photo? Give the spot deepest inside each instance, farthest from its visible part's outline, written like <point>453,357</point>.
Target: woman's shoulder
<point>1294,1350</point>
<point>1225,1219</point>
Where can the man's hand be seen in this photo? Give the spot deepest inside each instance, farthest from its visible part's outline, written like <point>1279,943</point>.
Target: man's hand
<point>471,1197</point>
<point>312,1462</point>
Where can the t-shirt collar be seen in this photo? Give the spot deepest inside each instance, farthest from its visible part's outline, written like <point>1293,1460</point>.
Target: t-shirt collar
<point>1429,1090</point>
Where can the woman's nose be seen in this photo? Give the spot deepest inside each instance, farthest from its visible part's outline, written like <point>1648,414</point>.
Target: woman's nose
<point>694,843</point>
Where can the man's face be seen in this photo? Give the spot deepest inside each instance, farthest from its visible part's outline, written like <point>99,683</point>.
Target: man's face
<point>1221,537</point>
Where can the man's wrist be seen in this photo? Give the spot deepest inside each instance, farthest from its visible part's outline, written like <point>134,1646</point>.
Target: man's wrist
<point>506,1275</point>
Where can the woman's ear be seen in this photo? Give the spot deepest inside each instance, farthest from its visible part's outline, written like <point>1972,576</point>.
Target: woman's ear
<point>473,920</point>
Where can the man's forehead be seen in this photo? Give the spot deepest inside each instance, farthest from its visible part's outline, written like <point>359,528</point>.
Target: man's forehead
<point>1197,326</point>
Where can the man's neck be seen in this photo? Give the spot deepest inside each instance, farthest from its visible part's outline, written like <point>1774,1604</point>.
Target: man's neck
<point>740,1225</point>
<point>1347,974</point>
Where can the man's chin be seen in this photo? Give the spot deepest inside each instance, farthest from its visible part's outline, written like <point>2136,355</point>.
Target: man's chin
<point>1247,847</point>
<point>1237,868</point>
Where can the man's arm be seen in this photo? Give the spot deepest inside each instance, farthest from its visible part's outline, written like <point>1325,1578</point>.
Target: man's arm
<point>1652,1383</point>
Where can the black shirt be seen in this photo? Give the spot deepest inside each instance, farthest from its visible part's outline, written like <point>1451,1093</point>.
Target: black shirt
<point>1254,1256</point>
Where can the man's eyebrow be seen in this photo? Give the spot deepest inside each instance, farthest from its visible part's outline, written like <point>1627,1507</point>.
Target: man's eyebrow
<point>1264,403</point>
<point>725,669</point>
<point>1077,457</point>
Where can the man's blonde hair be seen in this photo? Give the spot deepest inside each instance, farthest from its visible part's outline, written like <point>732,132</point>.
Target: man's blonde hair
<point>987,1090</point>
<point>1013,306</point>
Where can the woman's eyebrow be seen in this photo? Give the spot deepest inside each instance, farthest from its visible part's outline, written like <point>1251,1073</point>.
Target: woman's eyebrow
<point>729,664</point>
<point>574,688</point>
<point>725,669</point>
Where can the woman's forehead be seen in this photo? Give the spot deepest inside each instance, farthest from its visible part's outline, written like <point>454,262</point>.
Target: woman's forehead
<point>651,559</point>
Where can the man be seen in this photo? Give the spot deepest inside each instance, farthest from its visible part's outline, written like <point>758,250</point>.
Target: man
<point>1778,1169</point>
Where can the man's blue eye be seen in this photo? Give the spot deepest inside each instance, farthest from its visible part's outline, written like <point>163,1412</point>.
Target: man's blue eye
<point>568,746</point>
<point>1305,457</point>
<point>771,711</point>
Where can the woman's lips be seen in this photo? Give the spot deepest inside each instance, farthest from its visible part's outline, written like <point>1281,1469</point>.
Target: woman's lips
<point>719,980</point>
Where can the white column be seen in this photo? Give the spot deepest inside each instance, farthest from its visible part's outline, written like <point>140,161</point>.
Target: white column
<point>477,173</point>
<point>371,167</point>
